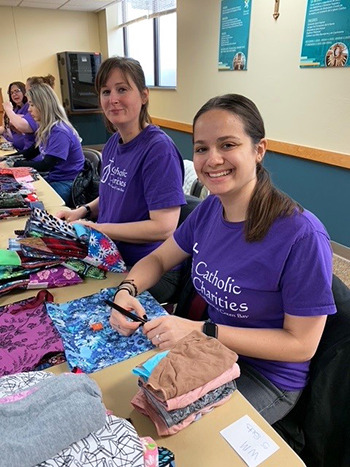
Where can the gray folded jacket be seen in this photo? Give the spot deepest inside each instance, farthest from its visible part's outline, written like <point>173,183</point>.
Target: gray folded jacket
<point>38,422</point>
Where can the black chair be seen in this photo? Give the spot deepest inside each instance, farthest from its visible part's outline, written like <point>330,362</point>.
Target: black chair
<point>86,184</point>
<point>95,157</point>
<point>191,203</point>
<point>186,290</point>
<point>318,426</point>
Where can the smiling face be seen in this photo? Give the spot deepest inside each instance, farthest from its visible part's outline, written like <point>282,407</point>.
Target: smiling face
<point>225,157</point>
<point>16,95</point>
<point>121,102</point>
<point>34,111</point>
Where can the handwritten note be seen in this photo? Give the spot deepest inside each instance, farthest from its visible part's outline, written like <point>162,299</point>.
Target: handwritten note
<point>249,441</point>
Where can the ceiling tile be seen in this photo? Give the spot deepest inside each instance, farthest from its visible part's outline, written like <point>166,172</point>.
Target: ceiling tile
<point>77,5</point>
<point>37,4</point>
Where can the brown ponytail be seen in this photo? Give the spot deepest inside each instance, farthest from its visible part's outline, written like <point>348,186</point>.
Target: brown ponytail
<point>266,204</point>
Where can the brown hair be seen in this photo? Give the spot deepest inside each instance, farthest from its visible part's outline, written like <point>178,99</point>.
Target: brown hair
<point>22,87</point>
<point>267,202</point>
<point>131,69</point>
<point>48,79</point>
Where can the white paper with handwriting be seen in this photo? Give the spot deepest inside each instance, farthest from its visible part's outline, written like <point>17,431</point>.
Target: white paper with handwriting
<point>250,442</point>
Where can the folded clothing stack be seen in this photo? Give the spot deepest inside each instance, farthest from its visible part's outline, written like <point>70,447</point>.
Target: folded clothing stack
<point>16,196</point>
<point>16,272</point>
<point>179,386</point>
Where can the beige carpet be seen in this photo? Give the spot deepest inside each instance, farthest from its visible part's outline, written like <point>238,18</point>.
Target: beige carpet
<point>341,268</point>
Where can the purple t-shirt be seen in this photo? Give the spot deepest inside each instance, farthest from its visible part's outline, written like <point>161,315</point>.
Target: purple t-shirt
<point>64,144</point>
<point>254,284</point>
<point>145,174</point>
<point>30,137</point>
<point>23,141</point>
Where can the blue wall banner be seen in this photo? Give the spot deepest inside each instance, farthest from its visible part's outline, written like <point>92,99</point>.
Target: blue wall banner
<point>234,34</point>
<point>326,39</point>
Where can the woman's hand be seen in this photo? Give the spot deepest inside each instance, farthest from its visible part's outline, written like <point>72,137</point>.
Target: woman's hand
<point>3,165</point>
<point>8,107</point>
<point>119,322</point>
<point>166,331</point>
<point>71,215</point>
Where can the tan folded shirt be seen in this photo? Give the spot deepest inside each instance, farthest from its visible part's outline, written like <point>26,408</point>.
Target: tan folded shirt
<point>192,362</point>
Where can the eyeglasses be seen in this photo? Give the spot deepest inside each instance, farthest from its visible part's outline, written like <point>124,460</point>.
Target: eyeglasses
<point>15,91</point>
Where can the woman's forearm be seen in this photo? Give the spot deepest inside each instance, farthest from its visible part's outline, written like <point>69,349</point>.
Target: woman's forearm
<point>274,344</point>
<point>147,272</point>
<point>93,205</point>
<point>19,122</point>
<point>135,232</point>
<point>159,227</point>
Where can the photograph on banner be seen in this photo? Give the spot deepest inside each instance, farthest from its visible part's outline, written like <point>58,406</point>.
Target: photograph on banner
<point>326,40</point>
<point>234,34</point>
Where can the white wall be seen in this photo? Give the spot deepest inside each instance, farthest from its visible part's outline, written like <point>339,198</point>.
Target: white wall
<point>310,107</point>
<point>31,37</point>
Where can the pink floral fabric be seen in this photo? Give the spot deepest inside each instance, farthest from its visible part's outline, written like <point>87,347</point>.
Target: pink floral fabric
<point>27,334</point>
<point>59,276</point>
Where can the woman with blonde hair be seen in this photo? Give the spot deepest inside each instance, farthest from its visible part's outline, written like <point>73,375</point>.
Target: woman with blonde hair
<point>57,141</point>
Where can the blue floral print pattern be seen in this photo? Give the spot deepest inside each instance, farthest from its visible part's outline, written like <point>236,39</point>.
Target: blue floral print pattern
<point>104,253</point>
<point>92,350</point>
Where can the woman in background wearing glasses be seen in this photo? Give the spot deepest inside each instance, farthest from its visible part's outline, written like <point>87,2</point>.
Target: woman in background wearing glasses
<point>57,142</point>
<point>19,126</point>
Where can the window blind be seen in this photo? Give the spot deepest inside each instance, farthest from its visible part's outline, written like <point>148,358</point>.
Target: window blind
<point>131,11</point>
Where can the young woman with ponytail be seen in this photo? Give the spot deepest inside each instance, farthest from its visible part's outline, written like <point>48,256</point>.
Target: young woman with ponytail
<point>261,262</point>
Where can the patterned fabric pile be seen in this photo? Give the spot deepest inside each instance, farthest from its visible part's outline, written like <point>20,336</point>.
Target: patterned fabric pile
<point>52,253</point>
<point>16,191</point>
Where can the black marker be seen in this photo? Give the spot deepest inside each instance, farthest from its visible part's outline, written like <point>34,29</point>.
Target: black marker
<point>126,313</point>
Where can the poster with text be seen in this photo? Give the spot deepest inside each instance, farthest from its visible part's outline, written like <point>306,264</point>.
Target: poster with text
<point>234,34</point>
<point>326,39</point>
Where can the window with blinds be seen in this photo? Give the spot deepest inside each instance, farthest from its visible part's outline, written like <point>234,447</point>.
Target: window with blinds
<point>149,35</point>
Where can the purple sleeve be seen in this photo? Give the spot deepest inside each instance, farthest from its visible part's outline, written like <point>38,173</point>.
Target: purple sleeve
<point>184,234</point>
<point>32,123</point>
<point>57,144</point>
<point>163,177</point>
<point>307,277</point>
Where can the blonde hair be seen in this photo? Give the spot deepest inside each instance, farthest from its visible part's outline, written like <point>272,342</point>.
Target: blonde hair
<point>50,109</point>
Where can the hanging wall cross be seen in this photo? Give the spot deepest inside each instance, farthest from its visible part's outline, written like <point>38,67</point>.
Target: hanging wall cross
<point>276,12</point>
